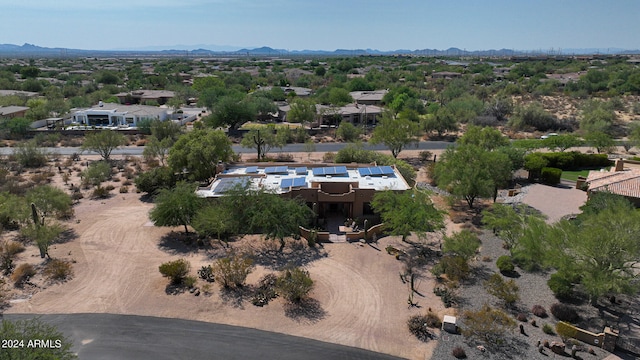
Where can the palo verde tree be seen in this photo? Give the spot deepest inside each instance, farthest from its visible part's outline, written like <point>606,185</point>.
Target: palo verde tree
<point>103,142</point>
<point>176,207</point>
<point>410,211</point>
<point>26,333</point>
<point>395,133</point>
<point>198,152</point>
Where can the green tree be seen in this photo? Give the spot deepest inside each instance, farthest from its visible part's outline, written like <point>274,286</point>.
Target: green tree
<point>175,207</point>
<point>601,141</point>
<point>97,173</point>
<point>176,270</point>
<point>232,111</point>
<point>441,122</point>
<point>156,148</point>
<point>395,134</point>
<point>507,221</point>
<point>151,181</point>
<point>198,153</point>
<point>30,155</point>
<point>562,142</point>
<point>486,138</point>
<point>302,111</point>
<point>26,331</point>
<point>103,142</point>
<point>214,220</point>
<point>50,201</point>
<point>339,96</point>
<point>16,128</point>
<point>470,172</point>
<point>464,244</point>
<point>410,211</point>
<point>347,131</point>
<point>294,284</point>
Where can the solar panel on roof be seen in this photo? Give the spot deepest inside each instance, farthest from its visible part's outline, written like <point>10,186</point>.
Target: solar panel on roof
<point>364,171</point>
<point>319,171</point>
<point>301,171</point>
<point>276,170</point>
<point>375,171</point>
<point>226,184</point>
<point>295,182</point>
<point>340,170</point>
<point>251,170</point>
<point>386,170</point>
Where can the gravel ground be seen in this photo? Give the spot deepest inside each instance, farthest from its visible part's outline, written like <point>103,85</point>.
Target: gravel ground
<point>533,291</point>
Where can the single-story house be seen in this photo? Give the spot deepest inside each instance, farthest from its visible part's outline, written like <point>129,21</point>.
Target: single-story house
<point>368,97</point>
<point>616,181</point>
<point>142,96</point>
<point>10,112</point>
<point>343,190</point>
<point>114,115</point>
<point>353,113</point>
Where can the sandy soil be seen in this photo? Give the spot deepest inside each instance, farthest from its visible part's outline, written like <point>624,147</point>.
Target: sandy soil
<point>359,299</point>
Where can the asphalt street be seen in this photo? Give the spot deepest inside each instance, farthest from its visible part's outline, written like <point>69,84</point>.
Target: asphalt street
<point>320,147</point>
<point>109,336</point>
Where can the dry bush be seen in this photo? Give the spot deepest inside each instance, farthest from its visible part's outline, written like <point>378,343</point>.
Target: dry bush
<point>418,327</point>
<point>58,270</point>
<point>124,190</point>
<point>564,312</point>
<point>141,142</point>
<point>459,353</point>
<point>522,317</point>
<point>22,274</point>
<point>539,311</point>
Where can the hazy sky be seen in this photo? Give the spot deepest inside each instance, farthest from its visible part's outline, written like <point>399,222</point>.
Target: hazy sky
<point>324,24</point>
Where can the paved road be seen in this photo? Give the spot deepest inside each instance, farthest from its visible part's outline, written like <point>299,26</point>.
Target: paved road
<point>320,147</point>
<point>108,336</point>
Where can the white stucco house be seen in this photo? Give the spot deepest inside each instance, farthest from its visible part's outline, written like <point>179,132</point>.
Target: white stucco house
<point>108,114</point>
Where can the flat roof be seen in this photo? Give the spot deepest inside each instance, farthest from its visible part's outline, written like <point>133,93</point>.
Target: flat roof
<point>280,178</point>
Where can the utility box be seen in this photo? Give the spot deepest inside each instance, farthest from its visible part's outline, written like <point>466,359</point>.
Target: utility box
<point>449,324</point>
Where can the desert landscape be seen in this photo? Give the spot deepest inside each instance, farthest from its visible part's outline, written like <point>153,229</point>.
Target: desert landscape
<point>358,299</point>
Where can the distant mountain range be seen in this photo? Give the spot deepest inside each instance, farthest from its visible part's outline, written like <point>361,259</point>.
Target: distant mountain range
<point>30,50</point>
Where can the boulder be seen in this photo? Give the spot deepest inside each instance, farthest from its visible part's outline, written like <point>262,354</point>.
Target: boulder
<point>557,347</point>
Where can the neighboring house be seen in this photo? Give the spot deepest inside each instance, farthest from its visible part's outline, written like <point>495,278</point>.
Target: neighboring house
<point>27,94</point>
<point>142,96</point>
<point>353,113</point>
<point>446,75</point>
<point>10,112</point>
<point>299,91</point>
<point>344,190</point>
<point>118,115</point>
<point>617,181</point>
<point>368,97</point>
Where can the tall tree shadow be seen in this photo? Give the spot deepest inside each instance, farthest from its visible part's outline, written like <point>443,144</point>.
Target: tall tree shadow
<point>307,310</point>
<point>295,253</point>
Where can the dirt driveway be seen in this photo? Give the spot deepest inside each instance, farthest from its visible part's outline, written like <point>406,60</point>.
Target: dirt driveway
<point>361,301</point>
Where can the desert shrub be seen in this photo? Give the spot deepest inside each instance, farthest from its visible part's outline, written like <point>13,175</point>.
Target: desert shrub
<point>432,320</point>
<point>97,173</point>
<point>155,179</point>
<point>564,312</point>
<point>454,267</point>
<point>418,327</point>
<point>347,131</point>
<point>425,155</point>
<point>189,281</point>
<point>504,264</point>
<point>447,296</point>
<point>176,270</point>
<point>22,274</point>
<point>58,270</point>
<point>124,189</point>
<point>206,273</point>
<point>109,187</point>
<point>507,291</point>
<point>294,284</point>
<point>550,176</point>
<point>487,325</point>
<point>548,329</point>
<point>29,155</point>
<point>560,285</point>
<point>522,317</point>
<point>100,193</point>
<point>266,290</point>
<point>459,353</point>
<point>329,157</point>
<point>232,271</point>
<point>539,311</point>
